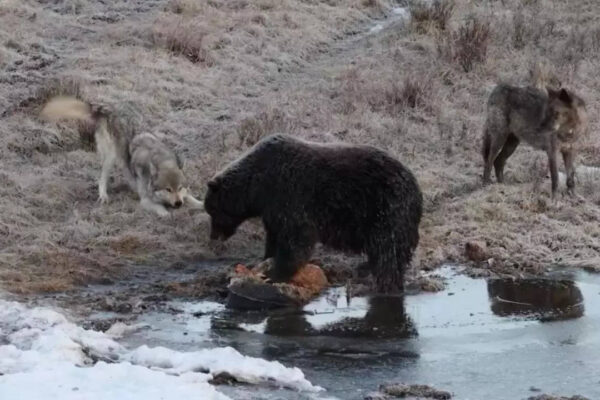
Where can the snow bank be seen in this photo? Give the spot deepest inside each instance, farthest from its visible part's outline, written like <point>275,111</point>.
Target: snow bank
<point>44,356</point>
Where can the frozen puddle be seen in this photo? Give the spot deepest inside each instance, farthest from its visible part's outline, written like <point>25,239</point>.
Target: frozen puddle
<point>44,356</point>
<point>479,339</point>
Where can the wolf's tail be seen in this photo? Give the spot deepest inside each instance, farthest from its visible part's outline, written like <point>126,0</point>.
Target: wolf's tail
<point>60,108</point>
<point>71,108</point>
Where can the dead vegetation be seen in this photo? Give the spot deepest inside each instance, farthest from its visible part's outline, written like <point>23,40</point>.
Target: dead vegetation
<point>431,16</point>
<point>212,78</point>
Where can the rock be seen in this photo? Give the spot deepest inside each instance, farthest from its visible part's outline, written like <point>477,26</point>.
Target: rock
<point>419,391</point>
<point>476,251</point>
<point>123,308</point>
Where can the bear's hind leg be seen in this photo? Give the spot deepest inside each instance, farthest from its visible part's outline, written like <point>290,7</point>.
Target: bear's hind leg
<point>388,272</point>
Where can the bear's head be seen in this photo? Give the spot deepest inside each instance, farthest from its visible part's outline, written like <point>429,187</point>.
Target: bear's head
<point>225,206</point>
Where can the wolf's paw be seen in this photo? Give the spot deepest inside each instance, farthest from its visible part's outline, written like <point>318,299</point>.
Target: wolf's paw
<point>103,198</point>
<point>162,212</point>
<point>193,203</point>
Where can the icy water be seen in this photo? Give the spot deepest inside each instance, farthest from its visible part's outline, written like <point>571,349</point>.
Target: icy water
<point>495,339</point>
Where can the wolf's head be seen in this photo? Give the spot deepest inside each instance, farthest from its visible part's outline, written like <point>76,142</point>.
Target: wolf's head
<point>168,185</point>
<point>569,114</point>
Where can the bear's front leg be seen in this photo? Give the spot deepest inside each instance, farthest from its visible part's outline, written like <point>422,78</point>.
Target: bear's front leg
<point>270,245</point>
<point>290,255</point>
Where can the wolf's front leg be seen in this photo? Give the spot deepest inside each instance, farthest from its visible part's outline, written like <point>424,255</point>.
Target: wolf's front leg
<point>143,193</point>
<point>192,202</point>
<point>149,205</point>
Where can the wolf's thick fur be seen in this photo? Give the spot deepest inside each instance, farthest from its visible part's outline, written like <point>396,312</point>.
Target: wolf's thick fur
<point>152,169</point>
<point>351,198</point>
<point>548,120</point>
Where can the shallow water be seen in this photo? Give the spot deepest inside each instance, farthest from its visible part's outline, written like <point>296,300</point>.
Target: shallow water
<point>479,339</point>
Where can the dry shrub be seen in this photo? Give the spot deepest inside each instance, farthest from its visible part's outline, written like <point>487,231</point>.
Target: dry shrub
<point>426,17</point>
<point>59,87</point>
<point>519,33</point>
<point>580,44</point>
<point>181,37</point>
<point>413,92</point>
<point>391,94</point>
<point>467,46</point>
<point>376,5</point>
<point>528,29</point>
<point>185,7</point>
<point>252,129</point>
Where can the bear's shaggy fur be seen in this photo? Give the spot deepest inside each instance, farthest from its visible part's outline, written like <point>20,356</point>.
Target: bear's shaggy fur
<point>351,198</point>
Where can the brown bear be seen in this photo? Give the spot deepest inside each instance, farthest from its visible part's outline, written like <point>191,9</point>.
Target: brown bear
<point>348,197</point>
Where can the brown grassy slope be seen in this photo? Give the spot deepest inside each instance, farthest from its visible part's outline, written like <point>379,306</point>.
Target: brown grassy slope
<point>215,78</point>
<point>196,71</point>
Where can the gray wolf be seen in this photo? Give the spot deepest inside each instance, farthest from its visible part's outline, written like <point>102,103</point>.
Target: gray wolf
<point>549,120</point>
<point>352,198</point>
<point>151,169</point>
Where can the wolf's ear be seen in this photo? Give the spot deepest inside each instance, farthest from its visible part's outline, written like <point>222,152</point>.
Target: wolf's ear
<point>565,96</point>
<point>153,171</point>
<point>179,161</point>
<point>551,92</point>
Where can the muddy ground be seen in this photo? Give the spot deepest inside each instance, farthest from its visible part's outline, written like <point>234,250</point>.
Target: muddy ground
<point>212,78</point>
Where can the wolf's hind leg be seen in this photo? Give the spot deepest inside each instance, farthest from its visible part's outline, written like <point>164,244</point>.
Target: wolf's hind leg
<point>108,162</point>
<point>509,147</point>
<point>494,138</point>
<point>106,149</point>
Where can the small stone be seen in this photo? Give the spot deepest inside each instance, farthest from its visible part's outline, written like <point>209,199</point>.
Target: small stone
<point>476,251</point>
<point>124,308</point>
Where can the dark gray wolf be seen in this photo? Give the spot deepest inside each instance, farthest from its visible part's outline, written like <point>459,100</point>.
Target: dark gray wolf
<point>152,169</point>
<point>549,120</point>
<point>351,198</point>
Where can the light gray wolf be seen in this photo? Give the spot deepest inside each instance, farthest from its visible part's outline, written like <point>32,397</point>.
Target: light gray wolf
<point>151,169</point>
<point>549,120</point>
<point>351,198</point>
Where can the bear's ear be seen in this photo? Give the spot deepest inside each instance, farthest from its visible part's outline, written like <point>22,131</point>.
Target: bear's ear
<point>213,185</point>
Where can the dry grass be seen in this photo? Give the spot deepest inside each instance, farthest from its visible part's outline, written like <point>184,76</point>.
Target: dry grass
<point>431,16</point>
<point>211,78</point>
<point>468,45</point>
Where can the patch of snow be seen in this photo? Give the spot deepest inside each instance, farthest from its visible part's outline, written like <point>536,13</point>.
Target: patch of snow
<point>257,328</point>
<point>403,12</point>
<point>41,346</point>
<point>120,329</point>
<point>583,173</point>
<point>376,28</point>
<point>205,307</point>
